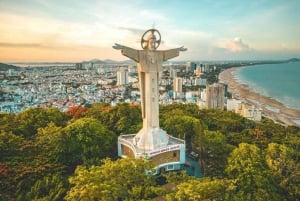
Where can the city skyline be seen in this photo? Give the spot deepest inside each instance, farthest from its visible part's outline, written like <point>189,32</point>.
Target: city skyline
<point>67,31</point>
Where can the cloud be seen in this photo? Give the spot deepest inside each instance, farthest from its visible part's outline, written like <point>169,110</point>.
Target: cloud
<point>234,45</point>
<point>132,30</point>
<point>20,45</point>
<point>152,15</point>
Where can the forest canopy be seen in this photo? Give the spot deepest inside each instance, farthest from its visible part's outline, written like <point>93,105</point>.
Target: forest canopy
<point>47,154</point>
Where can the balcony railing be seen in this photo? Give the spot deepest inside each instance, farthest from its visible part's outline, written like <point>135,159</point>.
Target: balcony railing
<point>174,144</point>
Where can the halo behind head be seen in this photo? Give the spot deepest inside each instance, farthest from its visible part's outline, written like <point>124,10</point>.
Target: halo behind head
<point>148,35</point>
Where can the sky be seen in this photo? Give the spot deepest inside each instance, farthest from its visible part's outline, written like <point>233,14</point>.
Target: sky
<point>74,31</point>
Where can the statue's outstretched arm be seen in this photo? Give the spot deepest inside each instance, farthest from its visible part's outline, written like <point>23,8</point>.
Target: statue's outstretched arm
<point>117,46</point>
<point>182,48</point>
<point>169,54</point>
<point>127,51</point>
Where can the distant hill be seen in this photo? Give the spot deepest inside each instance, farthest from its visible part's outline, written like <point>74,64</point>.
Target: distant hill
<point>108,61</point>
<point>293,60</point>
<point>6,67</point>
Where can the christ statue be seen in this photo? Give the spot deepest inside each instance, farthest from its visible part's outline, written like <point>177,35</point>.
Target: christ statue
<point>149,64</point>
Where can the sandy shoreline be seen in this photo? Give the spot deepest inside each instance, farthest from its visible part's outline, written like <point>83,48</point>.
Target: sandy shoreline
<point>271,108</point>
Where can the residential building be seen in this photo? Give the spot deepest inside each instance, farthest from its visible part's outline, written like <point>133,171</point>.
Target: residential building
<point>215,96</point>
<point>173,72</point>
<point>198,71</point>
<point>177,87</point>
<point>122,77</point>
<point>190,67</point>
<point>249,111</point>
<point>232,104</point>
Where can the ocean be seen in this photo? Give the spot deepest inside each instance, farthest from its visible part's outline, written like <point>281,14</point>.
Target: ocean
<point>278,81</point>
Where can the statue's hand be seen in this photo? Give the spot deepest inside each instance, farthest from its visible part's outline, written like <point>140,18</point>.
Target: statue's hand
<point>118,46</point>
<point>182,48</point>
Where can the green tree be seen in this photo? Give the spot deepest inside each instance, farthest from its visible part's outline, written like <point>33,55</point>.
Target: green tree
<point>224,121</point>
<point>24,161</point>
<point>7,122</point>
<point>178,108</point>
<point>128,118</point>
<point>97,111</point>
<point>291,140</point>
<point>211,78</point>
<point>85,141</point>
<point>204,189</point>
<point>9,144</point>
<point>286,170</point>
<point>50,187</point>
<point>7,182</point>
<point>124,179</point>
<point>47,140</point>
<point>184,127</point>
<point>122,118</point>
<point>213,153</point>
<point>177,177</point>
<point>32,119</point>
<point>253,180</point>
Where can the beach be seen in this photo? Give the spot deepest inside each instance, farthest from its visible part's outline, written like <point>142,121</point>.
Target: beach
<point>271,108</point>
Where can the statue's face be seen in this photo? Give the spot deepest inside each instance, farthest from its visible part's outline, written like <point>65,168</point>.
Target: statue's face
<point>151,45</point>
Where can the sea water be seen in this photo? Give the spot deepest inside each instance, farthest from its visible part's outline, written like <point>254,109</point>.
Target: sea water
<point>277,81</point>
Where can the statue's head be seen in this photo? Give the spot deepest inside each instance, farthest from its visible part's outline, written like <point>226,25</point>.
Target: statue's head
<point>149,39</point>
<point>151,42</point>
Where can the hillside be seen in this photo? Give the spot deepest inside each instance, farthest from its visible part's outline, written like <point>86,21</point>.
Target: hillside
<point>5,67</point>
<point>293,60</point>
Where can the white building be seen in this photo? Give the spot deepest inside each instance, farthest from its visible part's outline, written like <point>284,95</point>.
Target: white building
<point>200,81</point>
<point>249,112</point>
<point>122,77</point>
<point>192,96</point>
<point>232,104</point>
<point>173,73</point>
<point>132,69</point>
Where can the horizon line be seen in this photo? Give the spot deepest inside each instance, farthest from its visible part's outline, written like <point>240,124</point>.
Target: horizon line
<point>129,60</point>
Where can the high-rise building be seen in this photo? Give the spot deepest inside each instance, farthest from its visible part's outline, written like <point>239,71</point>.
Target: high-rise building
<point>173,73</point>
<point>198,71</point>
<point>205,68</point>
<point>122,77</point>
<point>190,67</point>
<point>215,96</point>
<point>177,84</point>
<point>177,87</point>
<point>132,69</point>
<point>78,66</point>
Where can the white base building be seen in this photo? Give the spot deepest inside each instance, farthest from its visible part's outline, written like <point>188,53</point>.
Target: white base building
<point>167,154</point>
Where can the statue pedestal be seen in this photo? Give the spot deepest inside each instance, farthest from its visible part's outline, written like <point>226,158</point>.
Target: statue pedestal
<point>151,138</point>
<point>167,153</point>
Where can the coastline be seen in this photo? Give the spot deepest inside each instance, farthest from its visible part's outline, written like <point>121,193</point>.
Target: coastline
<point>271,108</point>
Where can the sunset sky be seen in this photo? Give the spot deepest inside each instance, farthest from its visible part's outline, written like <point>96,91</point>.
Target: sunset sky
<point>73,31</point>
